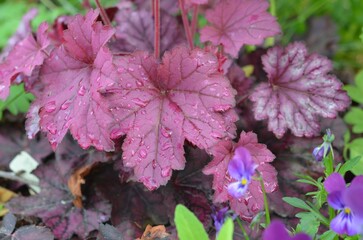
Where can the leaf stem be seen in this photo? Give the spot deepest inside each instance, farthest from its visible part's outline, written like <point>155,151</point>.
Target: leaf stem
<point>14,177</point>
<point>194,19</point>
<point>242,229</point>
<point>156,11</point>
<point>265,202</point>
<point>103,13</point>
<point>186,24</point>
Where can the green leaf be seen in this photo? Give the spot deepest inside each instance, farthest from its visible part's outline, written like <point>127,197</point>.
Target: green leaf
<point>188,225</point>
<point>226,232</point>
<point>349,165</point>
<point>309,224</point>
<point>361,35</point>
<point>328,235</point>
<point>356,150</point>
<point>17,102</point>
<point>354,117</point>
<point>356,92</point>
<point>296,202</point>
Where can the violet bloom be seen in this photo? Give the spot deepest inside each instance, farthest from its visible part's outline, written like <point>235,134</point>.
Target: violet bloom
<point>241,168</point>
<point>220,216</point>
<point>277,231</point>
<point>324,149</point>
<point>350,220</point>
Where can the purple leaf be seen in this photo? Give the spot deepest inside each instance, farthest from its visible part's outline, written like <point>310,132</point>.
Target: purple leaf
<point>234,23</point>
<point>24,29</point>
<point>8,224</point>
<point>158,106</point>
<point>32,233</point>
<point>24,58</point>
<point>300,89</point>
<point>71,78</point>
<point>135,31</point>
<point>54,204</point>
<point>252,202</point>
<point>108,232</point>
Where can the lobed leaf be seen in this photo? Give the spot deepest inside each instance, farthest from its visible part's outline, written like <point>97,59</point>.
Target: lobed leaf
<point>159,106</point>
<point>300,89</point>
<point>71,77</point>
<point>234,23</point>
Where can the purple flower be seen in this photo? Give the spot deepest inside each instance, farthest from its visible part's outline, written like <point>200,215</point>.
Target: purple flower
<point>350,220</point>
<point>277,231</point>
<point>320,152</point>
<point>219,218</point>
<point>241,168</point>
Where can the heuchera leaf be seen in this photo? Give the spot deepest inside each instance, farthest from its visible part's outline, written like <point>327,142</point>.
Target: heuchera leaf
<point>300,89</point>
<point>136,31</point>
<point>30,232</point>
<point>54,204</point>
<point>24,29</point>
<point>158,106</point>
<point>71,77</point>
<point>234,23</point>
<point>250,204</point>
<point>25,56</point>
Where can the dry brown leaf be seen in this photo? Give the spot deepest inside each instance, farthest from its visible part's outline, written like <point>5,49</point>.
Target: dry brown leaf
<point>152,233</point>
<point>75,181</point>
<point>5,196</point>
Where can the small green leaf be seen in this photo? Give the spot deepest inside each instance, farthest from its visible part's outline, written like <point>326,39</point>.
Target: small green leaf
<point>296,202</point>
<point>349,165</point>
<point>17,102</point>
<point>226,232</point>
<point>354,117</point>
<point>309,224</point>
<point>356,92</point>
<point>328,235</point>
<point>188,225</point>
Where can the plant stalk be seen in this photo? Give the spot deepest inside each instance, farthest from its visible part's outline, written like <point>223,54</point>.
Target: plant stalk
<point>265,202</point>
<point>103,13</point>
<point>156,11</point>
<point>186,24</point>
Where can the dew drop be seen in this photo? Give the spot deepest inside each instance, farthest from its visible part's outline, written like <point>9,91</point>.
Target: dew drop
<point>166,172</point>
<point>139,83</point>
<point>154,164</point>
<point>66,104</point>
<point>50,107</point>
<point>143,153</point>
<point>82,91</point>
<point>128,85</point>
<point>52,129</point>
<point>143,112</point>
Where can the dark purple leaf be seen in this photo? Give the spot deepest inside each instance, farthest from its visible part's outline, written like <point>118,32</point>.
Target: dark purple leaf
<point>54,205</point>
<point>135,31</point>
<point>8,224</point>
<point>108,232</point>
<point>300,89</point>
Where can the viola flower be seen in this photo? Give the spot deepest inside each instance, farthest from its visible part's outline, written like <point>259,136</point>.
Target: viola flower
<point>324,149</point>
<point>277,231</point>
<point>342,198</point>
<point>241,168</point>
<point>220,216</point>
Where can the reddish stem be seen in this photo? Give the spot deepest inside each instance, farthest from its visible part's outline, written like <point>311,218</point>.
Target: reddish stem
<point>186,24</point>
<point>103,13</point>
<point>156,10</point>
<point>194,19</point>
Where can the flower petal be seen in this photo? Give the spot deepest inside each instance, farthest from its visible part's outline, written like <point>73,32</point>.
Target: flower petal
<point>353,199</point>
<point>357,181</point>
<point>335,182</point>
<point>276,231</point>
<point>345,224</point>
<point>236,189</point>
<point>335,200</point>
<point>301,236</point>
<point>240,162</point>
